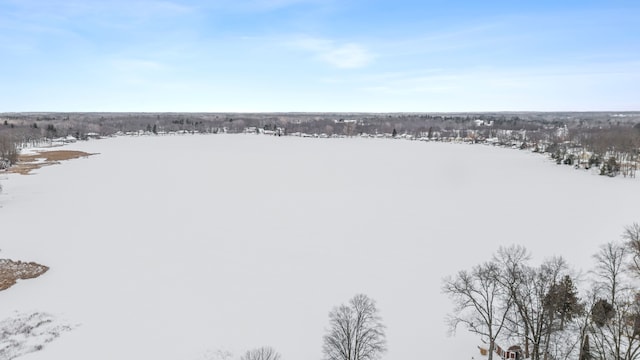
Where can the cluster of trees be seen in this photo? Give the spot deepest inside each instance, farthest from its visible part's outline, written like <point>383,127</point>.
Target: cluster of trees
<point>507,300</point>
<point>615,150</point>
<point>8,151</point>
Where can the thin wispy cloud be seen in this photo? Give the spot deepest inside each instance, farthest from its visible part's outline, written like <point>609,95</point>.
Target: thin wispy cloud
<point>134,71</point>
<point>264,5</point>
<point>137,65</point>
<point>505,79</point>
<point>72,11</point>
<point>447,40</point>
<point>270,4</point>
<point>546,88</point>
<point>347,55</point>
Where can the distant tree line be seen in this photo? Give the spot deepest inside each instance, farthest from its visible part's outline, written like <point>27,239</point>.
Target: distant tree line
<point>509,301</point>
<point>609,142</point>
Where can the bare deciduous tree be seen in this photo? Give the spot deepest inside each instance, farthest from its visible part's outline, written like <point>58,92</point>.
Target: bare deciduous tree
<point>261,353</point>
<point>355,331</point>
<point>631,236</point>
<point>217,354</point>
<point>610,270</point>
<point>481,304</point>
<point>615,316</point>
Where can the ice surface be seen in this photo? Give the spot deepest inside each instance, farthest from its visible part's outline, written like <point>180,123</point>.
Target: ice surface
<point>177,247</point>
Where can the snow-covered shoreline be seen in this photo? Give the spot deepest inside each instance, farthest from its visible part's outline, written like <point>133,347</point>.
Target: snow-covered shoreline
<point>62,144</point>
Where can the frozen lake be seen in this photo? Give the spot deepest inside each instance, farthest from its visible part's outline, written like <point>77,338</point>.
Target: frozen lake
<point>175,247</point>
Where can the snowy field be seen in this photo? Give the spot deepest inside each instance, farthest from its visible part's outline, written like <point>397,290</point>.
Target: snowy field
<point>177,247</point>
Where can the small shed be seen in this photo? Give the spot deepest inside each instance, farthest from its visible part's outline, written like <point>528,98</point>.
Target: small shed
<point>513,352</point>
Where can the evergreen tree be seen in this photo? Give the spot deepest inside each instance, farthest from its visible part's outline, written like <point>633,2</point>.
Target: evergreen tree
<point>585,352</point>
<point>562,301</point>
<point>51,131</point>
<point>602,312</point>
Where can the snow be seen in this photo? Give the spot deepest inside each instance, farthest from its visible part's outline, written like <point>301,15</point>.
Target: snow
<point>185,246</point>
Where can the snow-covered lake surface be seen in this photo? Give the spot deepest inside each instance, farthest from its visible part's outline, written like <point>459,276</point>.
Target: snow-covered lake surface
<point>176,247</point>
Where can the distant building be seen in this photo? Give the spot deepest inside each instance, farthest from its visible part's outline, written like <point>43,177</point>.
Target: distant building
<point>480,122</point>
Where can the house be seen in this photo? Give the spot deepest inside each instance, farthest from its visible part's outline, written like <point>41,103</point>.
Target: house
<point>513,352</point>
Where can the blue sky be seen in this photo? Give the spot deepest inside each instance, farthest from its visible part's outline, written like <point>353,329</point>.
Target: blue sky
<point>319,55</point>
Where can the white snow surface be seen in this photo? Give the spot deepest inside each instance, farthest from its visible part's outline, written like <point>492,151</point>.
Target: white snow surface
<point>177,247</point>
